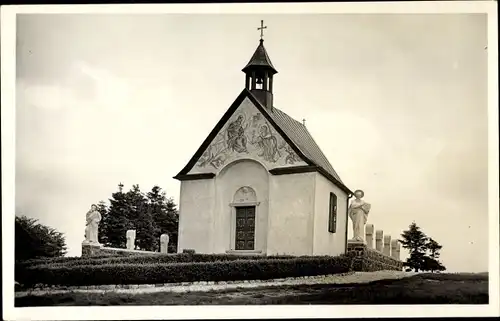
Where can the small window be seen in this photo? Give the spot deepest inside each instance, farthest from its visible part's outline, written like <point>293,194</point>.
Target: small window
<point>332,221</point>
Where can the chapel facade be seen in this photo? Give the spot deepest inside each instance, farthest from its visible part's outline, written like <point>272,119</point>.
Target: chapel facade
<point>259,183</point>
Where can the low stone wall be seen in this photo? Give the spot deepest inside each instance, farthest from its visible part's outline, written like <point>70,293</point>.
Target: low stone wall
<point>369,260</point>
<point>97,250</point>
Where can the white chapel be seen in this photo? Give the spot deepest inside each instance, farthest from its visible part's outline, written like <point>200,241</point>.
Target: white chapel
<point>259,184</point>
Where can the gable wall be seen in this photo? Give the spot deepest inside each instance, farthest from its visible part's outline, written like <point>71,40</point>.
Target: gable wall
<point>256,139</point>
<point>326,243</point>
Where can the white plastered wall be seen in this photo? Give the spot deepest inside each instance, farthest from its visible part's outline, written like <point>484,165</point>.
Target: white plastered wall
<point>326,243</point>
<point>196,216</point>
<point>291,210</point>
<point>239,174</point>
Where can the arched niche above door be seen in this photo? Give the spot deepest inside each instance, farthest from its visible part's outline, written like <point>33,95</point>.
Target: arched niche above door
<point>245,194</point>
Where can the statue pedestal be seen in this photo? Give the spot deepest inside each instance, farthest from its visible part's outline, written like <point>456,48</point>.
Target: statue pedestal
<point>369,260</point>
<point>90,249</point>
<point>358,247</point>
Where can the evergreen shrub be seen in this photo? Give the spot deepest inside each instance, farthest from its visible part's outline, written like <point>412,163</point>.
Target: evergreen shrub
<point>141,272</point>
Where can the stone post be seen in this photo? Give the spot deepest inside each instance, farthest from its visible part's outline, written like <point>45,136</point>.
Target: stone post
<point>369,235</point>
<point>395,249</point>
<point>130,239</point>
<point>387,245</point>
<point>164,243</point>
<point>379,234</point>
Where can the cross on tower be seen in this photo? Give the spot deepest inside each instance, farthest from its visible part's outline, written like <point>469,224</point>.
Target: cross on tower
<point>262,28</point>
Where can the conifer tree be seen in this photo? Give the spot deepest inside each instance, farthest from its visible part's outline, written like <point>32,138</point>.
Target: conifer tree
<point>431,262</point>
<point>150,215</point>
<point>103,225</point>
<point>415,241</point>
<point>172,227</point>
<point>165,215</point>
<point>141,220</point>
<point>117,222</point>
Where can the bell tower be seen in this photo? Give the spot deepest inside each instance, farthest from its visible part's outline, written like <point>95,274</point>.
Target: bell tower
<point>259,73</point>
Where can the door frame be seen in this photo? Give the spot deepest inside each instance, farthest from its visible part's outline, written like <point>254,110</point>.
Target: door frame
<point>233,206</point>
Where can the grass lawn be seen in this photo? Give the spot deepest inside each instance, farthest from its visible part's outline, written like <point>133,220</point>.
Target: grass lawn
<point>418,289</point>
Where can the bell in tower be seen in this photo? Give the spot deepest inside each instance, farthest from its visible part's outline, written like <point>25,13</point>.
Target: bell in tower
<point>259,74</point>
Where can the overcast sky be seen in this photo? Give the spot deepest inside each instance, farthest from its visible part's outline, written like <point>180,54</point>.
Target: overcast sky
<point>398,104</point>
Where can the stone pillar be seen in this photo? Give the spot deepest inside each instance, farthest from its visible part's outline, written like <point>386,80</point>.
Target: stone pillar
<point>395,249</point>
<point>379,234</point>
<point>164,243</point>
<point>387,245</point>
<point>130,240</point>
<point>369,235</point>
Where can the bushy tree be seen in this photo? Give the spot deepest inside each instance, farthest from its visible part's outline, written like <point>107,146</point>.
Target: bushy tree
<point>35,240</point>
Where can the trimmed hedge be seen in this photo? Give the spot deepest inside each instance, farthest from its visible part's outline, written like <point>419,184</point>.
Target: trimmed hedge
<point>153,273</point>
<point>63,259</point>
<point>144,259</point>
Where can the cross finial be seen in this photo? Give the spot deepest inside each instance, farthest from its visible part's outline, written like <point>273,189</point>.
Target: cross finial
<point>262,29</point>
<point>303,121</point>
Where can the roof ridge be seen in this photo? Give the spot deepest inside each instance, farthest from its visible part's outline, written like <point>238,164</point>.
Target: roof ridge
<point>321,154</point>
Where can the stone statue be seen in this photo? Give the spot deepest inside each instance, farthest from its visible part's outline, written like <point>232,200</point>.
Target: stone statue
<point>130,239</point>
<point>358,212</point>
<point>92,225</point>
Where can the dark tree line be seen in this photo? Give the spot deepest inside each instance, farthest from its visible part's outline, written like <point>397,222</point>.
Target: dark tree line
<point>423,250</point>
<point>150,214</point>
<point>35,240</point>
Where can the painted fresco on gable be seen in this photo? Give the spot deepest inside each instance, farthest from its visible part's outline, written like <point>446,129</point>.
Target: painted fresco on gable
<point>247,134</point>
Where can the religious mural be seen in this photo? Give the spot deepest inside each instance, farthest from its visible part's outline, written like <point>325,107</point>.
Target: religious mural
<point>247,134</point>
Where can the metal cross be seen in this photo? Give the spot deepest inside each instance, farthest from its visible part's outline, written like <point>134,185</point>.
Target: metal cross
<point>262,28</point>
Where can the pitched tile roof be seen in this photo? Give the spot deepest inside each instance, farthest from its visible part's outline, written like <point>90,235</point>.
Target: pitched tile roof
<point>301,137</point>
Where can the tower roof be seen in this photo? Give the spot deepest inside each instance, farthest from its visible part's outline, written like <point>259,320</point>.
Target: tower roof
<point>260,59</point>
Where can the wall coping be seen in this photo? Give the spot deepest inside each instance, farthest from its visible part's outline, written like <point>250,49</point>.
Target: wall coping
<point>130,251</point>
<point>245,252</point>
